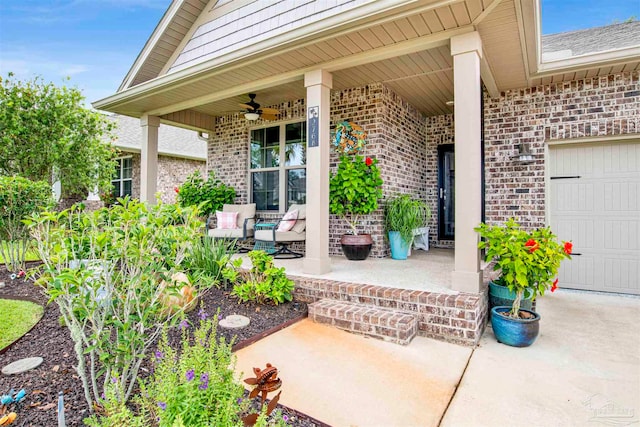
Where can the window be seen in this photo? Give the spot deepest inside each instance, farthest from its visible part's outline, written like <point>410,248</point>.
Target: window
<point>278,176</point>
<point>122,178</point>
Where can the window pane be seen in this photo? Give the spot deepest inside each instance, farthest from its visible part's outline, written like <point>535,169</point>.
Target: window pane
<point>265,148</point>
<point>116,188</point>
<point>117,174</point>
<point>126,188</point>
<point>265,190</point>
<point>296,145</point>
<point>296,186</point>
<point>126,169</point>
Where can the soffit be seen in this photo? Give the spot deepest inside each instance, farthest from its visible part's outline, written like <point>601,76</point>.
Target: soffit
<point>589,73</point>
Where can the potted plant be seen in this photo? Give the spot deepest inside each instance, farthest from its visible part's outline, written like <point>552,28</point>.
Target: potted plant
<point>402,215</point>
<point>354,191</point>
<point>528,264</point>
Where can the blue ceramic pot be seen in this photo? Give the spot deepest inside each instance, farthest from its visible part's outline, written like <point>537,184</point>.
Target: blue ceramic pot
<point>501,295</point>
<point>399,248</point>
<point>514,332</point>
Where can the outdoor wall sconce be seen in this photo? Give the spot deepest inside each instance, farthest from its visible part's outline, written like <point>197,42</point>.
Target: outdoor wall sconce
<point>251,116</point>
<point>524,153</point>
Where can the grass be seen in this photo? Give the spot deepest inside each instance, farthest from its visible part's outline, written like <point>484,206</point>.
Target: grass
<point>16,318</point>
<point>32,255</point>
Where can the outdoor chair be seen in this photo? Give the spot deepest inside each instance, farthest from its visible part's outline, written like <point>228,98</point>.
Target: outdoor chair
<point>290,228</point>
<point>234,222</point>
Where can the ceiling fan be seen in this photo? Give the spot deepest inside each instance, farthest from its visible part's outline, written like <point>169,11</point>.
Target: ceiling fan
<point>253,110</point>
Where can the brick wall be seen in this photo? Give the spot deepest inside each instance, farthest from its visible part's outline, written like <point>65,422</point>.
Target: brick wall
<point>396,135</point>
<point>172,172</point>
<point>590,107</point>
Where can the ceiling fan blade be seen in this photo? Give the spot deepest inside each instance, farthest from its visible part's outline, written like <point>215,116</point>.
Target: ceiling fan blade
<point>270,110</point>
<point>267,116</point>
<point>247,106</point>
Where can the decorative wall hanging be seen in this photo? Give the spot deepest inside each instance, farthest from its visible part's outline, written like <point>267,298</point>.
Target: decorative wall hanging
<point>349,138</point>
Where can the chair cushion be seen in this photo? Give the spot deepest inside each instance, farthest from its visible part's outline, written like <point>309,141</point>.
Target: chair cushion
<point>300,224</point>
<point>287,236</point>
<point>288,220</point>
<point>244,212</point>
<point>226,220</point>
<point>226,233</point>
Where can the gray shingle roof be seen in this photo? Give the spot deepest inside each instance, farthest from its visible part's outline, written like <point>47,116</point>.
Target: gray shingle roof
<point>591,40</point>
<point>172,141</point>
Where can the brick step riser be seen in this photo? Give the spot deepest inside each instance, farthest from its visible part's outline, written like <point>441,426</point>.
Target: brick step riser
<point>378,323</point>
<point>458,318</point>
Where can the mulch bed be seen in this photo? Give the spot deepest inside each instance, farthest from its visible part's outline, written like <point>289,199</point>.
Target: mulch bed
<point>52,342</point>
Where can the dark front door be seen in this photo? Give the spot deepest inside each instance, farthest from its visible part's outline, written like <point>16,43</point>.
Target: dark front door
<point>446,192</point>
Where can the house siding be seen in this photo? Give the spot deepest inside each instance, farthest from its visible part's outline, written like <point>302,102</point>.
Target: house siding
<point>396,135</point>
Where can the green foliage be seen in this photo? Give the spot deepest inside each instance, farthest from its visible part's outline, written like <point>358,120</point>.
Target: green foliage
<point>355,189</point>
<point>47,135</point>
<point>208,258</point>
<point>103,269</point>
<point>528,261</point>
<point>19,198</point>
<point>208,195</point>
<point>264,282</point>
<point>16,318</point>
<point>404,214</point>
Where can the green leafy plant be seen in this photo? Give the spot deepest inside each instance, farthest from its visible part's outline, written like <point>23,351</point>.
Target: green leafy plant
<point>208,259</point>
<point>208,195</point>
<point>46,134</point>
<point>354,189</point>
<point>404,214</point>
<point>104,269</point>
<point>528,261</point>
<point>263,283</point>
<point>19,198</point>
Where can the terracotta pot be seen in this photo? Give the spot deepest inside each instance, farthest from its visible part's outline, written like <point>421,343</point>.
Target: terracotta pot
<point>356,247</point>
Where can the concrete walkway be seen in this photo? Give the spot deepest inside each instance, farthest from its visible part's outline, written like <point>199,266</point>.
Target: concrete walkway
<point>584,369</point>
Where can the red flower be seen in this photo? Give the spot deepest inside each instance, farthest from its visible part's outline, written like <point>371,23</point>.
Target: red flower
<point>21,273</point>
<point>368,161</point>
<point>555,285</point>
<point>532,245</point>
<point>176,189</point>
<point>568,248</point>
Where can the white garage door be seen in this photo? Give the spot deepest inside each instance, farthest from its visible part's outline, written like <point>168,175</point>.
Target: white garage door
<point>595,202</point>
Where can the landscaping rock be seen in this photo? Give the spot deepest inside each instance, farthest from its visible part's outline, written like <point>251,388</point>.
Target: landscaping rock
<point>22,365</point>
<point>234,321</point>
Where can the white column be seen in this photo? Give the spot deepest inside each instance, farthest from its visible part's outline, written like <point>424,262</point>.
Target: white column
<point>466,50</point>
<point>149,158</point>
<point>318,84</point>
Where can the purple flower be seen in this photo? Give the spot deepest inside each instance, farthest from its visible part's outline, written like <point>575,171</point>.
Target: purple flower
<point>114,380</point>
<point>202,314</point>
<point>285,418</point>
<point>219,316</point>
<point>162,405</point>
<point>158,354</point>
<point>190,375</point>
<point>239,400</point>
<point>204,381</point>
<point>184,324</point>
<point>103,396</point>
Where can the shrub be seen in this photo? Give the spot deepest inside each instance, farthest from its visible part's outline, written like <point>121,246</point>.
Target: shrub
<point>103,269</point>
<point>354,189</point>
<point>207,259</point>
<point>19,198</point>
<point>263,283</point>
<point>208,195</point>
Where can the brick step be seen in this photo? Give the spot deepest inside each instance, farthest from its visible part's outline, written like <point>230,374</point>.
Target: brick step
<point>382,323</point>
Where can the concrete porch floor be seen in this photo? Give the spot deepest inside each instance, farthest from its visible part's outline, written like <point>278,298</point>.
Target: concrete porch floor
<point>583,369</point>
<point>423,270</point>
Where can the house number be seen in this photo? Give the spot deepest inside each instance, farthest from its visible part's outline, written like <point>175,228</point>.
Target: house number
<point>313,126</point>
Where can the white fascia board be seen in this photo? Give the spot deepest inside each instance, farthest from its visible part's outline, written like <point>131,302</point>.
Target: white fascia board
<point>168,153</point>
<point>335,24</point>
<point>588,60</point>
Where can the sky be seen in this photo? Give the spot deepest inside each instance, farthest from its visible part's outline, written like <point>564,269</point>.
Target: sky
<point>95,42</point>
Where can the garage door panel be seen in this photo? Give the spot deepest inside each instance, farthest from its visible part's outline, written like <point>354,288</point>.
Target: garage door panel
<point>595,202</point>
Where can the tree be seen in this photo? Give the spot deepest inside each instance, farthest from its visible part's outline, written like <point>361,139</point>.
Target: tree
<point>47,135</point>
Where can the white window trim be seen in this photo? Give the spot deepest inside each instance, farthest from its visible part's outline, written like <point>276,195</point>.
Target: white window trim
<point>122,180</point>
<point>282,175</point>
